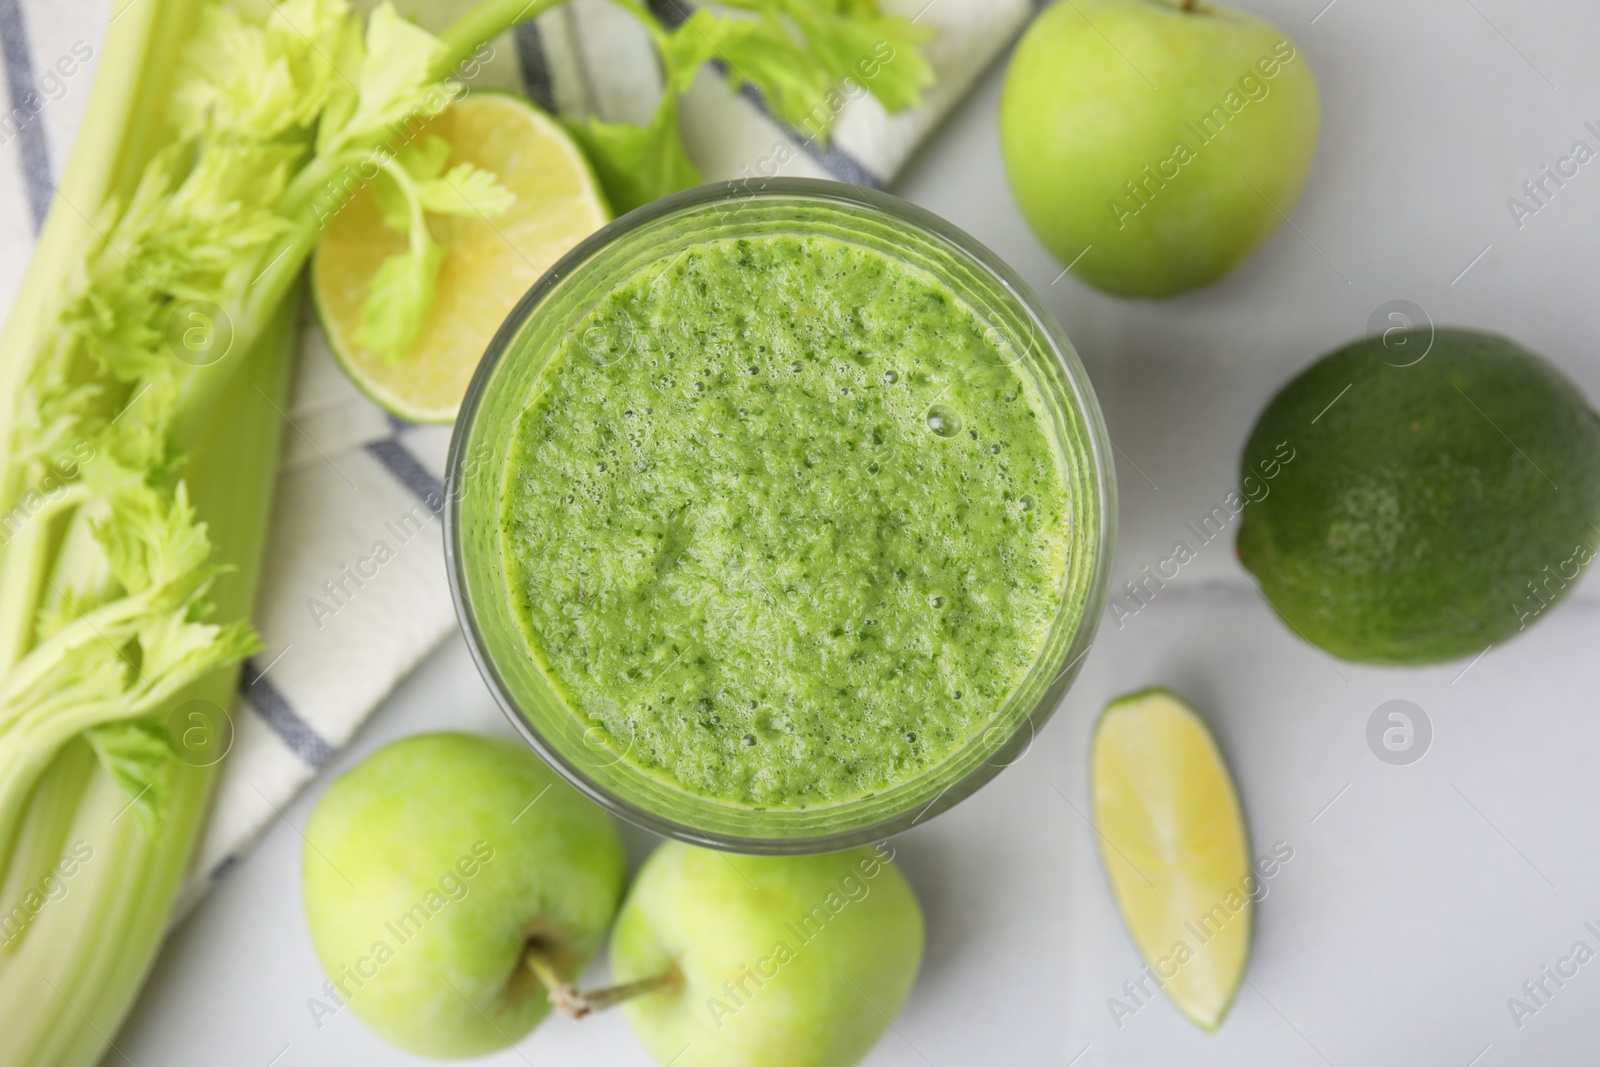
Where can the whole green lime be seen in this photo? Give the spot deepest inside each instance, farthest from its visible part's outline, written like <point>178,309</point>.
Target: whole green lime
<point>1408,510</point>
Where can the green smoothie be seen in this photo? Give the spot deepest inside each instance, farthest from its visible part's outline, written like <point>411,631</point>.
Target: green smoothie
<point>784,520</point>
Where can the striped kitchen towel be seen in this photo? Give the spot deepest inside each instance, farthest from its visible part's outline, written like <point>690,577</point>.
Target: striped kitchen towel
<point>354,593</point>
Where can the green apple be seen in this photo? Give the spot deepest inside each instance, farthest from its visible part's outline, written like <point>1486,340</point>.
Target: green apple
<point>781,961</point>
<point>429,872</point>
<point>1152,145</point>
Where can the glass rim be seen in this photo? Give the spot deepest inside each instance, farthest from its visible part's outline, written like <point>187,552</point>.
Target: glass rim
<point>1053,343</point>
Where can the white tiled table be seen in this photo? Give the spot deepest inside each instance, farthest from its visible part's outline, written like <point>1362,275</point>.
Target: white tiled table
<point>1423,896</point>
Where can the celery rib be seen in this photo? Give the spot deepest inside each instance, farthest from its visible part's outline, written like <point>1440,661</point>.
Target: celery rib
<point>107,592</point>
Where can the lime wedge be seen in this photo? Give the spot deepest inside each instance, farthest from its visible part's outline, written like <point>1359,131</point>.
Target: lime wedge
<point>1174,847</point>
<point>488,263</point>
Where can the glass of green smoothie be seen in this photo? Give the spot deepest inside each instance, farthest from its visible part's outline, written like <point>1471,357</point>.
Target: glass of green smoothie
<point>779,517</point>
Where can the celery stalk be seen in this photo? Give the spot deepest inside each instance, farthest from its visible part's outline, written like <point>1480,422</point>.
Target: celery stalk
<point>125,593</point>
<point>53,808</point>
<point>74,977</point>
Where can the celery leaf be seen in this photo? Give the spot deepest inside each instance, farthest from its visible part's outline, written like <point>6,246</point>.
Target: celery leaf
<point>395,86</point>
<point>763,52</point>
<point>465,190</point>
<point>136,755</point>
<point>240,80</point>
<point>398,302</point>
<point>638,164</point>
<point>425,158</point>
<point>152,542</point>
<point>799,52</point>
<point>851,41</point>
<point>421,160</point>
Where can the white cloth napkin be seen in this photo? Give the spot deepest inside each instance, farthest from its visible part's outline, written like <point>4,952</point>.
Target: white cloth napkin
<point>340,628</point>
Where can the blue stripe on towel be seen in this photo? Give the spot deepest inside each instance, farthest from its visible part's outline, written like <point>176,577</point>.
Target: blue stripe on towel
<point>267,700</point>
<point>672,13</point>
<point>535,66</point>
<point>32,147</point>
<point>840,165</point>
<point>408,470</point>
<point>275,710</point>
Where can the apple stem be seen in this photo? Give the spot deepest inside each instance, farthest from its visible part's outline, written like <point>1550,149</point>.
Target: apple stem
<point>1191,5</point>
<point>567,999</point>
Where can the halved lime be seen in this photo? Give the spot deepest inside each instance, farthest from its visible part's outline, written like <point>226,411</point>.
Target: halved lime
<point>1174,848</point>
<point>488,263</point>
